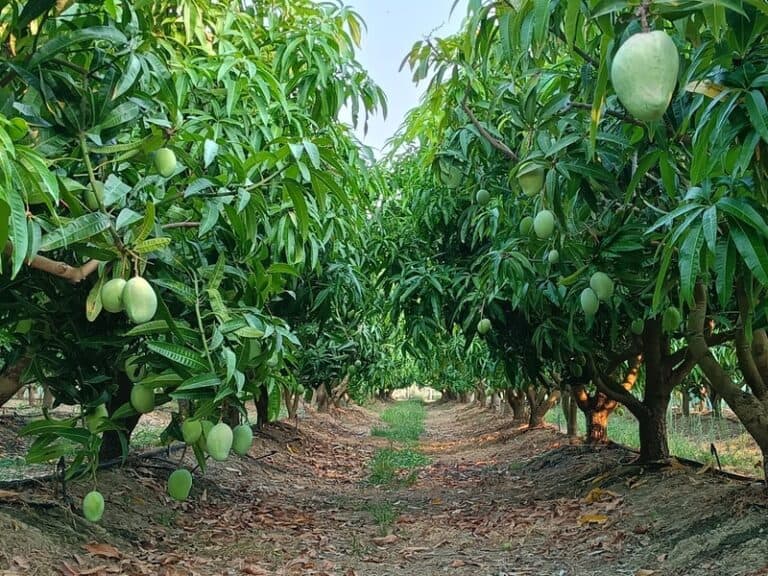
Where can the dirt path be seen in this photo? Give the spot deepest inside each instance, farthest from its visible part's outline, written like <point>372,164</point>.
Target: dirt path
<point>494,500</point>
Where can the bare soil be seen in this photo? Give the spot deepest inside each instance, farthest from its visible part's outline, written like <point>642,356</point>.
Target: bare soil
<point>496,499</point>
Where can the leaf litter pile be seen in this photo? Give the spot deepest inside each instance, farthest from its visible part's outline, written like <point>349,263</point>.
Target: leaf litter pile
<point>493,499</point>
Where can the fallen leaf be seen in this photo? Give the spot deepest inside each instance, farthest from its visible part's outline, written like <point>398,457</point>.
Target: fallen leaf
<point>20,561</point>
<point>384,540</point>
<point>105,550</point>
<point>593,519</point>
<point>643,572</point>
<point>458,563</point>
<point>254,570</point>
<point>68,570</point>
<point>91,571</point>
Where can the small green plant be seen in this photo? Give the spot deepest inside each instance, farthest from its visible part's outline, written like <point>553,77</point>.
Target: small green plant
<point>384,514</point>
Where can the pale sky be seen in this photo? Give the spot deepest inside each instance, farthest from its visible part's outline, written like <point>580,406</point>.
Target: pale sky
<point>393,27</point>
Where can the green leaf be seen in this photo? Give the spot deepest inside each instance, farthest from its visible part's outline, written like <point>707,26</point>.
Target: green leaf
<point>17,232</point>
<point>758,112</point>
<point>93,304</point>
<point>753,251</point>
<point>147,224</point>
<point>725,268</point>
<point>741,211</point>
<point>210,150</point>
<point>296,192</point>
<point>208,380</point>
<point>75,231</point>
<point>688,262</point>
<point>179,354</point>
<point>128,77</point>
<point>62,41</point>
<point>709,225</point>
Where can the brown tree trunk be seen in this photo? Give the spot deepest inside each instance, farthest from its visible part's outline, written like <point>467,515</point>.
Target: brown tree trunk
<point>664,371</point>
<point>597,408</point>
<point>11,380</point>
<point>516,401</point>
<point>111,446</point>
<point>464,397</point>
<point>322,400</point>
<point>539,403</point>
<point>340,390</point>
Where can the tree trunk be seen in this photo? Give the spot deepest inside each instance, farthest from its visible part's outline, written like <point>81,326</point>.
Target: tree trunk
<point>47,398</point>
<point>230,415</point>
<point>495,403</point>
<point>653,433</point>
<point>570,411</point>
<point>262,407</point>
<point>516,401</point>
<point>540,402</point>
<point>322,399</point>
<point>686,403</point>
<point>111,447</point>
<point>597,409</point>
<point>464,397</point>
<point>11,380</point>
<point>340,390</point>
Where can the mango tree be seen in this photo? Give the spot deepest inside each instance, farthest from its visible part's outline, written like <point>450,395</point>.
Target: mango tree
<point>199,160</point>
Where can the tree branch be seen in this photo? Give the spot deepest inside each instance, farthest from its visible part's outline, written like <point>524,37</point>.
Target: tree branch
<point>697,344</point>
<point>60,269</point>
<point>744,346</point>
<point>495,142</point>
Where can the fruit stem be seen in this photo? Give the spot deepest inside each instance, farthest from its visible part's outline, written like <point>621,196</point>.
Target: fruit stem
<point>200,325</point>
<point>92,179</point>
<point>642,12</point>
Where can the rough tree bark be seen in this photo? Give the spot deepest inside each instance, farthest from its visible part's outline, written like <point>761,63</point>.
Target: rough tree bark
<point>339,391</point>
<point>516,401</point>
<point>751,407</point>
<point>540,402</point>
<point>598,407</point>
<point>11,380</point>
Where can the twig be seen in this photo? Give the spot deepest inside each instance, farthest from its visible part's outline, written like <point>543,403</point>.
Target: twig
<point>619,115</point>
<point>495,142</point>
<point>186,224</point>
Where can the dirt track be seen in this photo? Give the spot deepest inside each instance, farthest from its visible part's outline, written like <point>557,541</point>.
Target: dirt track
<point>495,500</point>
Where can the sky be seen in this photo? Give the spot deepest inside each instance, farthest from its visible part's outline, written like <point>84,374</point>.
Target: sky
<point>393,27</point>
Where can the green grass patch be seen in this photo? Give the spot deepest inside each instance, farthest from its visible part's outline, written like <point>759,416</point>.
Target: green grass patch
<point>405,422</point>
<point>688,437</point>
<point>397,465</point>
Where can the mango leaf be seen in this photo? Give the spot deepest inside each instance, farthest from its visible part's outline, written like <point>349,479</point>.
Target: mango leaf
<point>208,380</point>
<point>61,42</point>
<point>179,354</point>
<point>77,230</point>
<point>753,251</point>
